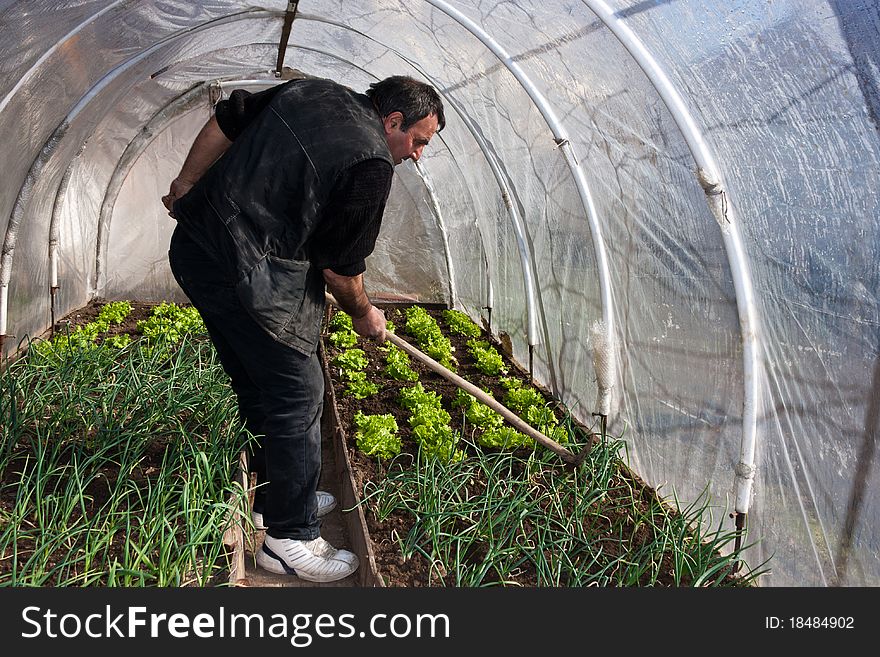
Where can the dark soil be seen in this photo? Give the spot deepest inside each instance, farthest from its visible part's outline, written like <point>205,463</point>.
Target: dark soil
<point>89,313</point>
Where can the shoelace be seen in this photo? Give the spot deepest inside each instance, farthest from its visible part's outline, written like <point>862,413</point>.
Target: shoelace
<point>320,548</point>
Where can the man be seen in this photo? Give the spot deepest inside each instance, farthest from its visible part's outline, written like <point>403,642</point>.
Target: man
<point>282,193</point>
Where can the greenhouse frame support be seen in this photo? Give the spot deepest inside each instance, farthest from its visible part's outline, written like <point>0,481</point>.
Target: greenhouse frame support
<point>490,295</point>
<point>438,217</point>
<point>289,17</point>
<point>51,143</point>
<point>54,232</point>
<point>516,222</point>
<point>710,180</point>
<point>518,230</point>
<point>138,144</point>
<point>9,241</point>
<point>561,138</point>
<point>712,184</point>
<point>60,43</point>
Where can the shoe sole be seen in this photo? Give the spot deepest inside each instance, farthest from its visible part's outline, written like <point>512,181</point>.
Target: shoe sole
<point>268,560</point>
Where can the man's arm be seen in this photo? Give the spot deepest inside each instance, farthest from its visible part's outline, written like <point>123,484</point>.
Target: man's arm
<point>209,145</point>
<point>349,292</point>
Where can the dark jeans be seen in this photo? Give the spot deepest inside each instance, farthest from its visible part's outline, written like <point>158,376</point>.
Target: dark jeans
<point>280,394</point>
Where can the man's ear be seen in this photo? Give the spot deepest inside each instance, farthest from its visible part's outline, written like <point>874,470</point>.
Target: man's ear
<point>393,122</point>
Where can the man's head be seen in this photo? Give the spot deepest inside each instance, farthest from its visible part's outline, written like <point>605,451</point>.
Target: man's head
<point>411,112</point>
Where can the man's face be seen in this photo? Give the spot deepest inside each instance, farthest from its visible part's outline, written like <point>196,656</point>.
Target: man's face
<point>408,145</point>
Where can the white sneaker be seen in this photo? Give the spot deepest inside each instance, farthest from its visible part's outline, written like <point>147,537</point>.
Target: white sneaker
<point>326,503</point>
<point>315,561</point>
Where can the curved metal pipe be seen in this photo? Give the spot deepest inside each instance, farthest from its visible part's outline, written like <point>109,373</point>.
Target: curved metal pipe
<point>58,134</point>
<point>11,237</point>
<point>138,144</point>
<point>54,231</point>
<point>438,216</point>
<point>561,138</point>
<point>144,54</point>
<point>711,181</point>
<point>53,49</point>
<point>518,231</point>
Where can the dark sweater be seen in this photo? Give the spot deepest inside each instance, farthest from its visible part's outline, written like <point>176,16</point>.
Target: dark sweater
<point>352,218</point>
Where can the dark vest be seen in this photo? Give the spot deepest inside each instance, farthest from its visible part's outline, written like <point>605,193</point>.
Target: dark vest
<point>255,209</point>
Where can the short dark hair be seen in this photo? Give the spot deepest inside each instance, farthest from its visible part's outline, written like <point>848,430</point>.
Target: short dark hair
<point>414,99</point>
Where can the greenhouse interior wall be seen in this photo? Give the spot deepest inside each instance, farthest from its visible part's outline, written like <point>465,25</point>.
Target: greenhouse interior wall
<point>669,208</point>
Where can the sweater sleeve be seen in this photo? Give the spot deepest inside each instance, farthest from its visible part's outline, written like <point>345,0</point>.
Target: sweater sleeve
<point>351,220</point>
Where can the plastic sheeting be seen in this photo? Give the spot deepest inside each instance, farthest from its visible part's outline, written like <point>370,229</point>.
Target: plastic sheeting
<point>563,191</point>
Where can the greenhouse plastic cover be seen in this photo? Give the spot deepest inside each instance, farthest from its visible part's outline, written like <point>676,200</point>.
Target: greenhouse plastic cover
<point>667,207</point>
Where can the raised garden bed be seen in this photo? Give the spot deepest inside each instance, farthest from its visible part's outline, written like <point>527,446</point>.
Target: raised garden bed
<point>491,510</point>
<point>119,465</point>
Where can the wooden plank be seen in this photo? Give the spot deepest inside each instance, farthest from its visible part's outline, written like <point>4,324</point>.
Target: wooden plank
<point>233,536</point>
<point>349,497</point>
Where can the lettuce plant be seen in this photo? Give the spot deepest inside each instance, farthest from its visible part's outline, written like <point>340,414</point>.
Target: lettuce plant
<point>85,337</point>
<point>428,336</point>
<point>351,364</point>
<point>487,358</point>
<point>430,423</point>
<point>341,321</point>
<point>376,435</point>
<point>461,324</point>
<point>493,432</point>
<point>415,395</point>
<point>438,440</point>
<point>343,339</point>
<point>520,397</point>
<point>114,312</point>
<point>350,360</point>
<point>118,341</point>
<point>167,325</point>
<point>342,335</point>
<point>531,406</point>
<point>357,386</point>
<point>477,413</point>
<point>504,437</point>
<point>397,364</point>
<point>81,339</point>
<point>170,322</point>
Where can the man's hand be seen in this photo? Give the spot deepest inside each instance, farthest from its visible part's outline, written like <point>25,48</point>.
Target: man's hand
<point>209,145</point>
<point>371,325</point>
<point>348,291</point>
<point>178,188</point>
